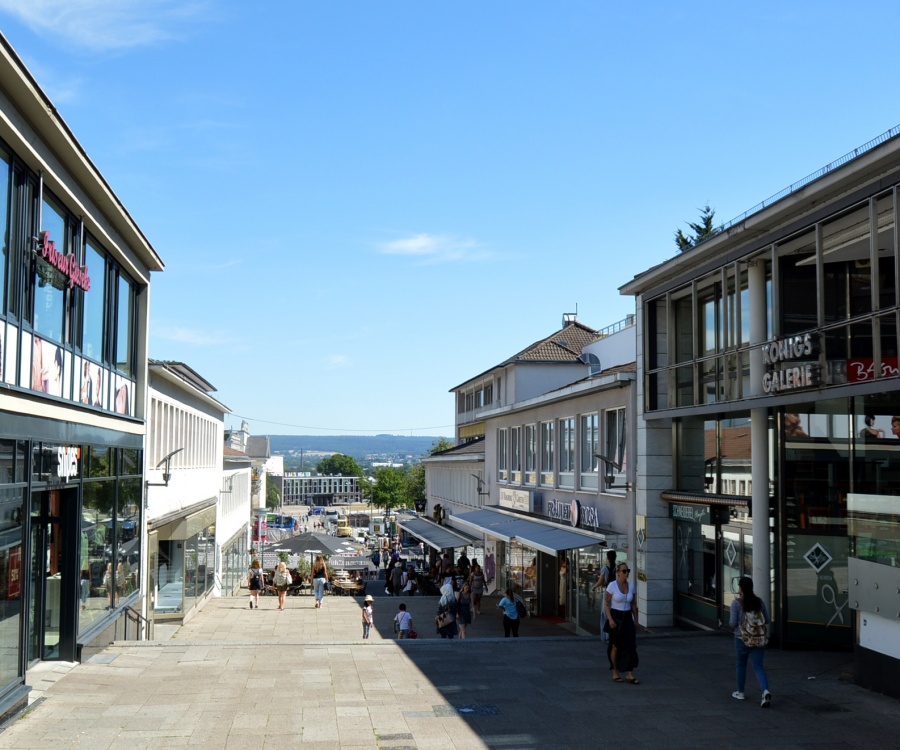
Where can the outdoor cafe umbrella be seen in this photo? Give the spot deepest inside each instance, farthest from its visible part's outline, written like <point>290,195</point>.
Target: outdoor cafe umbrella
<point>308,542</point>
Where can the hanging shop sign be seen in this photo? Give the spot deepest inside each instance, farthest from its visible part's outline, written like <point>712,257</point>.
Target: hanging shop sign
<point>67,265</point>
<point>791,349</point>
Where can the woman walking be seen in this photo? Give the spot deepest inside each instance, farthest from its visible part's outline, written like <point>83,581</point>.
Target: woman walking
<point>510,614</point>
<point>319,577</point>
<point>282,580</point>
<point>464,609</point>
<point>750,620</point>
<point>620,602</point>
<point>255,581</point>
<point>476,582</point>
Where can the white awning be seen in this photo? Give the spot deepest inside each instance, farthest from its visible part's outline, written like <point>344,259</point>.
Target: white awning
<point>540,536</point>
<point>439,537</point>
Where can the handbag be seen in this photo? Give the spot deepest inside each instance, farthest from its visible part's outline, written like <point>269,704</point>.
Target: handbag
<point>413,633</point>
<point>443,619</point>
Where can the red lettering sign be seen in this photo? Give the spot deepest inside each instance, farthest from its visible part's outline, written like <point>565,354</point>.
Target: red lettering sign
<point>863,369</point>
<point>66,264</point>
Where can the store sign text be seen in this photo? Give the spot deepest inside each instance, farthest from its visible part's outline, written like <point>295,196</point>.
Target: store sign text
<point>66,264</point>
<point>804,375</point>
<point>863,369</point>
<point>574,513</point>
<point>67,462</point>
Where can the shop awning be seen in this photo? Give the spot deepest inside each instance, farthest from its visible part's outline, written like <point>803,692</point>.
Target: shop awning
<point>539,536</point>
<point>439,537</point>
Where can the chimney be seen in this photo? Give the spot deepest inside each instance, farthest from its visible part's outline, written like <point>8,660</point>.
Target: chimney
<point>569,318</point>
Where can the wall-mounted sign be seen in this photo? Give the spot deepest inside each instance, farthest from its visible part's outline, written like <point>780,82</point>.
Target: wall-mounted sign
<point>67,462</point>
<point>519,500</point>
<point>791,349</point>
<point>65,264</point>
<point>573,513</point>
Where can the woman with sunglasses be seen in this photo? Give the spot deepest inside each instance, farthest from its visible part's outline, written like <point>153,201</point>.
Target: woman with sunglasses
<point>620,602</point>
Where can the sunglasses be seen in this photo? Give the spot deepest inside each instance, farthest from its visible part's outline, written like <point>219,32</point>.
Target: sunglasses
<point>626,571</point>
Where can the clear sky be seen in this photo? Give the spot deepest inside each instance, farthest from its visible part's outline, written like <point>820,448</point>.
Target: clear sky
<point>363,204</point>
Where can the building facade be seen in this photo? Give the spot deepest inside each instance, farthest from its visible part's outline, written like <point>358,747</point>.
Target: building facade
<point>302,489</point>
<point>196,523</point>
<point>768,438</point>
<point>75,275</point>
<point>554,491</point>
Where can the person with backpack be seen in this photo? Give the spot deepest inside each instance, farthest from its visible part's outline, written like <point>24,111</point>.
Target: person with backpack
<point>750,621</point>
<point>255,582</point>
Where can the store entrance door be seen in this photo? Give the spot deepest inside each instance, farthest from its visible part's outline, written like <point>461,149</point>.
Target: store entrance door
<point>45,598</point>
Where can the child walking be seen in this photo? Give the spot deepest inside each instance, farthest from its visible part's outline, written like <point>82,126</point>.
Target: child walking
<point>402,622</point>
<point>368,618</point>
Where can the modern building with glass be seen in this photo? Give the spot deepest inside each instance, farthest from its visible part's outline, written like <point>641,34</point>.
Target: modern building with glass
<point>74,294</point>
<point>769,416</point>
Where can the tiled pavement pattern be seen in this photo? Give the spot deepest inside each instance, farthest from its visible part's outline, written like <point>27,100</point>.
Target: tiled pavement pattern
<point>239,678</point>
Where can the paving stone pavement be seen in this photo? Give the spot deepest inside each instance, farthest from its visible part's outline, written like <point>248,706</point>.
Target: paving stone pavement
<point>239,678</point>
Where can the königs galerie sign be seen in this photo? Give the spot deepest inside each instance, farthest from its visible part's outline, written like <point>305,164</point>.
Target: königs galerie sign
<point>801,375</point>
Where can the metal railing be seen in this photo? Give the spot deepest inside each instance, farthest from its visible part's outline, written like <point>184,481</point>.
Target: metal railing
<point>616,327</point>
<point>793,187</point>
<point>135,617</point>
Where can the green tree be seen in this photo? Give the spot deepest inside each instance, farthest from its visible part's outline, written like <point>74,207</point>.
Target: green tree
<point>339,464</point>
<point>414,486</point>
<point>702,230</point>
<point>273,495</point>
<point>389,489</point>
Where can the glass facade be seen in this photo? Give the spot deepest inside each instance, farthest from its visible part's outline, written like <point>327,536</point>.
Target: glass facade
<point>67,310</point>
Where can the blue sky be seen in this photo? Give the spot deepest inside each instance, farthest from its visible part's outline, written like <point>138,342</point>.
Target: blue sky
<point>361,205</point>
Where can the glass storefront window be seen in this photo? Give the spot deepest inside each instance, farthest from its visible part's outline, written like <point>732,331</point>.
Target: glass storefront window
<point>695,559</point>
<point>97,571</point>
<point>128,517</point>
<point>11,547</point>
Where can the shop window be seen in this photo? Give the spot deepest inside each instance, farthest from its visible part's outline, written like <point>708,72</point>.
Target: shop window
<point>695,560</point>
<point>97,587</point>
<point>816,469</point>
<point>11,513</point>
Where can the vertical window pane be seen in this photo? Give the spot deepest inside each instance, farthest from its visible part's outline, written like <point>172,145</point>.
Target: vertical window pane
<point>4,227</point>
<point>49,297</point>
<point>92,338</point>
<point>124,327</point>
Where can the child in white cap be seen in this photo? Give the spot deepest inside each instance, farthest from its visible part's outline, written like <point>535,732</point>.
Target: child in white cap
<point>367,616</point>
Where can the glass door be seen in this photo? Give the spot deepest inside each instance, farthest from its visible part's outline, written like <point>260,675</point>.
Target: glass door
<point>46,577</point>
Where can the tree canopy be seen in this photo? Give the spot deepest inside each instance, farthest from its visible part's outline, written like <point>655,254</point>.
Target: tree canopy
<point>702,230</point>
<point>389,489</point>
<point>273,495</point>
<point>339,464</point>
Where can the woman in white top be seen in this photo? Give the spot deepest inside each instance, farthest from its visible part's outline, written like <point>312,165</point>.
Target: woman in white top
<point>620,602</point>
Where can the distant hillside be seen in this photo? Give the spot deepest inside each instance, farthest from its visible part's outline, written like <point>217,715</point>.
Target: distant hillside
<point>357,446</point>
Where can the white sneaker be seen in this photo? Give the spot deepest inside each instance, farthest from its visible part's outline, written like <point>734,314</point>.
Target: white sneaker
<point>766,699</point>
<point>738,695</point>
